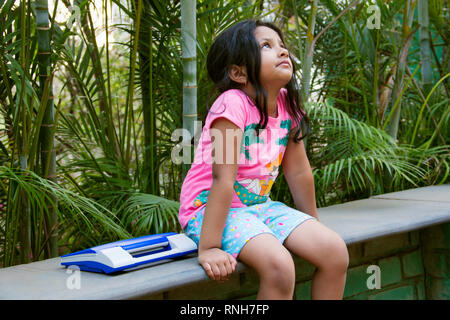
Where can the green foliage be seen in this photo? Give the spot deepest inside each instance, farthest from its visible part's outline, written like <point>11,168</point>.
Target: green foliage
<point>356,70</point>
<point>79,217</point>
<point>118,102</point>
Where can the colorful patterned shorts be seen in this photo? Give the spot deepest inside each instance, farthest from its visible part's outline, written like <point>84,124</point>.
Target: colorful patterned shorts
<point>243,224</point>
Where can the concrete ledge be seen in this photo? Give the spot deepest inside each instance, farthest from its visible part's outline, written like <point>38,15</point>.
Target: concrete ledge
<point>355,221</point>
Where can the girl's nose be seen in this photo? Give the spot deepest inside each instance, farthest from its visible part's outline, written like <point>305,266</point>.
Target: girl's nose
<point>284,52</point>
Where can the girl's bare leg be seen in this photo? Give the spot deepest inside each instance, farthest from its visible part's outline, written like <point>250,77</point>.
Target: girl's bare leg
<point>325,249</point>
<point>274,265</point>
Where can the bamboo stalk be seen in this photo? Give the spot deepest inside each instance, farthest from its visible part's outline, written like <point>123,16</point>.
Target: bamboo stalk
<point>130,93</point>
<point>189,58</point>
<point>347,109</point>
<point>374,121</point>
<point>151,133</point>
<point>145,49</point>
<point>407,35</point>
<point>425,50</point>
<point>48,155</point>
<point>108,68</point>
<point>308,55</point>
<point>21,142</point>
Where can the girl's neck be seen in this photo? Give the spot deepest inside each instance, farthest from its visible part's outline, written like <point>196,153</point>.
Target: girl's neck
<point>272,97</point>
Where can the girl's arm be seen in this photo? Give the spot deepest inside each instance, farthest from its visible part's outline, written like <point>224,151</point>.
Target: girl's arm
<point>217,263</point>
<point>299,176</point>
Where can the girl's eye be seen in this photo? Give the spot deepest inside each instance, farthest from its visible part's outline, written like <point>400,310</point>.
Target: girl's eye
<point>265,45</point>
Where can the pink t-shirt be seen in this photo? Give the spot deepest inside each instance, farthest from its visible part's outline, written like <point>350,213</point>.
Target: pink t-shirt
<point>259,160</point>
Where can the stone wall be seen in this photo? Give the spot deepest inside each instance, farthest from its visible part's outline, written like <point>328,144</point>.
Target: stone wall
<point>436,258</point>
<point>412,265</point>
<point>399,245</point>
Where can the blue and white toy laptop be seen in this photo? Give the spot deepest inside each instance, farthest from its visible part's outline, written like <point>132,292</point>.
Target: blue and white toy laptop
<point>131,254</point>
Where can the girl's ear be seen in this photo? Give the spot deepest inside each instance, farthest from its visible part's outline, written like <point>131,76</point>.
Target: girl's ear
<point>238,74</point>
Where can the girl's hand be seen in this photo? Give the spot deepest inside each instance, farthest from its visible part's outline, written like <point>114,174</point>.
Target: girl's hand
<point>217,263</point>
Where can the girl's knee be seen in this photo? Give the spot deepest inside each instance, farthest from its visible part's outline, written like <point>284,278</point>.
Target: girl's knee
<point>342,257</point>
<point>335,255</point>
<point>280,271</point>
<point>272,262</point>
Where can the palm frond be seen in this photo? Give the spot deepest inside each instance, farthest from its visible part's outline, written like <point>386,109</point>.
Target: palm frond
<point>144,213</point>
<point>350,153</point>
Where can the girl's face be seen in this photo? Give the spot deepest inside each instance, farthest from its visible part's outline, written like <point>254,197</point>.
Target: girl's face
<point>276,66</point>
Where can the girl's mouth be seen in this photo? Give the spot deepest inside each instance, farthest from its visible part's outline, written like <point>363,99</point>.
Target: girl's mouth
<point>284,63</point>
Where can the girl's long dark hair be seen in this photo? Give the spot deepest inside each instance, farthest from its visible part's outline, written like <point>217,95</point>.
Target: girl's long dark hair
<point>237,45</point>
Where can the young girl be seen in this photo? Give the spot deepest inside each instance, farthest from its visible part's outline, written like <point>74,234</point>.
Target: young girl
<point>252,128</point>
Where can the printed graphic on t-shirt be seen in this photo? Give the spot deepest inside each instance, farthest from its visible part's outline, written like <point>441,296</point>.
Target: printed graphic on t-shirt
<point>251,191</point>
<point>285,124</point>
<point>262,186</point>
